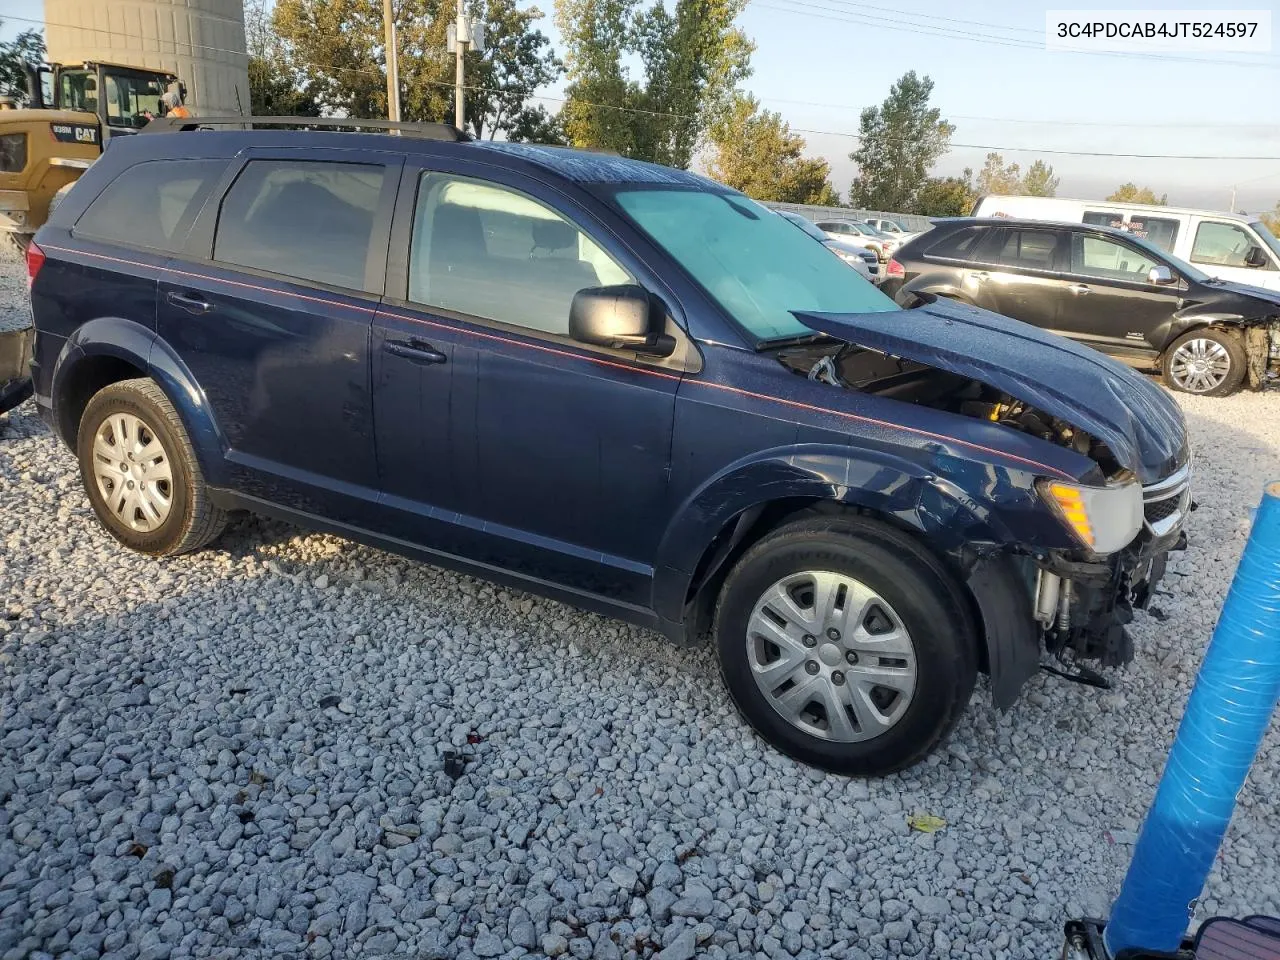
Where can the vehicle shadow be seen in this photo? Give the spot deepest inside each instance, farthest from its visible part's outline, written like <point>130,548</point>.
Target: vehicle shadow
<point>271,708</point>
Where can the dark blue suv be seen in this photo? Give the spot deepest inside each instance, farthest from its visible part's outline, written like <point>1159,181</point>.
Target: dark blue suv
<point>616,384</point>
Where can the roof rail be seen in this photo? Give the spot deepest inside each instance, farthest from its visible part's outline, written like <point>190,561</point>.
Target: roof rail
<point>425,131</point>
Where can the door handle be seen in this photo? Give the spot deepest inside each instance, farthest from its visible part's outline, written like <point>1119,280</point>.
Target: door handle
<point>1078,289</point>
<point>419,351</point>
<point>978,275</point>
<point>191,302</point>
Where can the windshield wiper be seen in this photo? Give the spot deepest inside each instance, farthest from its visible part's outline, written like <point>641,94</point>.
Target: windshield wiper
<point>795,340</point>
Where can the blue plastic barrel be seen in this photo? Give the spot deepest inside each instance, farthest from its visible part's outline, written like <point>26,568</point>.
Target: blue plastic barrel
<point>1226,717</point>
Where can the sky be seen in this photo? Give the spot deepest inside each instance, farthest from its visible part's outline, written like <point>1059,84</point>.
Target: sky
<point>820,62</point>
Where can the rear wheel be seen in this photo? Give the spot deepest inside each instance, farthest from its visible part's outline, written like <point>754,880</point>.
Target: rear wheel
<point>845,644</point>
<point>1207,361</point>
<point>140,471</point>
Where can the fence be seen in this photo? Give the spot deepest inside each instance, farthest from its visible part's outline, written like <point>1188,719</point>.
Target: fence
<point>910,221</point>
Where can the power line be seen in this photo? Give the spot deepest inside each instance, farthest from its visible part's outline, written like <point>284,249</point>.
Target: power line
<point>931,30</point>
<point>1171,125</point>
<point>373,71</point>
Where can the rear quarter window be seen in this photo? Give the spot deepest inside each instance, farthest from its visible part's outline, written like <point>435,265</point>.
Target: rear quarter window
<point>958,245</point>
<point>13,152</point>
<point>152,204</point>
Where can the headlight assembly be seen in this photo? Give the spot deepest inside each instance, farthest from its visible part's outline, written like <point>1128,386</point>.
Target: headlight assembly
<point>1104,519</point>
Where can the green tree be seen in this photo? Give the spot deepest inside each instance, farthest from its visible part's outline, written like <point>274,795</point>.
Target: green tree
<point>691,57</point>
<point>899,142</point>
<point>24,50</point>
<point>754,151</point>
<point>1039,180</point>
<point>537,125</point>
<point>335,48</point>
<point>518,61</point>
<point>946,196</point>
<point>1131,193</point>
<point>595,36</point>
<point>274,91</point>
<point>1272,219</point>
<point>995,177</point>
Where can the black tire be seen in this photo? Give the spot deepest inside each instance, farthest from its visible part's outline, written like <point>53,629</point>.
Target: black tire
<point>923,594</point>
<point>1235,357</point>
<point>192,520</point>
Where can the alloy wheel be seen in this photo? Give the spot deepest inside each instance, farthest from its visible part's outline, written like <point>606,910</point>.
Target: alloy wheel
<point>1199,365</point>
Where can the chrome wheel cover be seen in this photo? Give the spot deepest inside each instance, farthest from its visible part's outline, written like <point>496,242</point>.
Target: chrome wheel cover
<point>133,472</point>
<point>1199,365</point>
<point>831,656</point>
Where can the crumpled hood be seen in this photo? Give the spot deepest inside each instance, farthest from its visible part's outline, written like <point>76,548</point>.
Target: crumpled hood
<point>1140,423</point>
<point>1267,300</point>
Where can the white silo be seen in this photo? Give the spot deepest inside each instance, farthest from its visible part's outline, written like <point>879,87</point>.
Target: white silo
<point>202,41</point>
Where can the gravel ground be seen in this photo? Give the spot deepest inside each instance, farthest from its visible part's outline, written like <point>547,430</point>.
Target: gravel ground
<point>241,754</point>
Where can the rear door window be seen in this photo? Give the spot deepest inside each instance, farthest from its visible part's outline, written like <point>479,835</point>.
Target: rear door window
<point>307,219</point>
<point>151,204</point>
<point>1031,249</point>
<point>1161,231</point>
<point>1104,218</point>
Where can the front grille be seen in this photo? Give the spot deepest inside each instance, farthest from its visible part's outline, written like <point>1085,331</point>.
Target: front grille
<point>1166,502</point>
<point>1158,510</point>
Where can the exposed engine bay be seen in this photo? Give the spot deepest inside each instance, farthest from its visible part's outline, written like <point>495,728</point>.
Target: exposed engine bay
<point>1080,604</point>
<point>869,371</point>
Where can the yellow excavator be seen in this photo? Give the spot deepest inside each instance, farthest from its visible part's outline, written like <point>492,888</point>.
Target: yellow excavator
<point>70,113</point>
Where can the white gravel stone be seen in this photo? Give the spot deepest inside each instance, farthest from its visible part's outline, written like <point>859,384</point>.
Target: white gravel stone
<point>607,778</point>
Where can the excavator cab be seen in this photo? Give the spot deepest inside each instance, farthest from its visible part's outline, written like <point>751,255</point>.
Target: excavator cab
<point>71,112</point>
<point>122,98</point>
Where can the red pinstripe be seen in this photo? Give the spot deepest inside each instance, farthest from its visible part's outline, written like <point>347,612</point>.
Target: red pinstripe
<point>797,404</point>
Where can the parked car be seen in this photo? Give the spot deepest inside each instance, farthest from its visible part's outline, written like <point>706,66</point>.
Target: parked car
<point>1104,287</point>
<point>864,261</point>
<point>860,235</point>
<point>892,228</point>
<point>616,384</point>
<point>1225,245</point>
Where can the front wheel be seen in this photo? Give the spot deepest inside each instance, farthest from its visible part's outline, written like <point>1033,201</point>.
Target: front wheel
<point>1207,362</point>
<point>846,645</point>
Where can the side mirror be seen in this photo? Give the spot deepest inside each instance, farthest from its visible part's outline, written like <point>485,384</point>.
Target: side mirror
<point>623,317</point>
<point>1160,274</point>
<point>1255,257</point>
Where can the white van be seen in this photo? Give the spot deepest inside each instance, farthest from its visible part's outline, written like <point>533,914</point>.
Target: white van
<point>1223,245</point>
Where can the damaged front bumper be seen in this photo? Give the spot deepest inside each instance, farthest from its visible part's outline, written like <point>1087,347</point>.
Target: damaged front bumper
<point>1073,606</point>
<point>1084,605</point>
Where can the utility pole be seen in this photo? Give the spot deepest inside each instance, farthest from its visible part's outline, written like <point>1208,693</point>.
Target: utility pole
<point>459,87</point>
<point>393,66</point>
<point>1233,200</point>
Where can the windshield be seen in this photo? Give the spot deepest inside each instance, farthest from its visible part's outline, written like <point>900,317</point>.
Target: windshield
<point>806,225</point>
<point>1267,236</point>
<point>129,98</point>
<point>749,261</point>
<point>1164,256</point>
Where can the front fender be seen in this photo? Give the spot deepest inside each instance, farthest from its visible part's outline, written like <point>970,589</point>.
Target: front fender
<point>1192,318</point>
<point>890,485</point>
<point>141,347</point>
